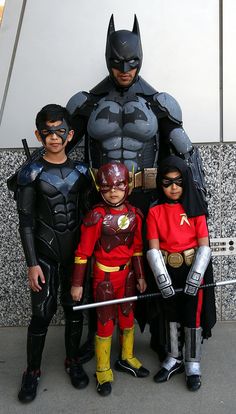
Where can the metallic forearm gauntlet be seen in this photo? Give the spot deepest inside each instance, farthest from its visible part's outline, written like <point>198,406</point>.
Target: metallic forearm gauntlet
<point>196,273</point>
<point>162,277</point>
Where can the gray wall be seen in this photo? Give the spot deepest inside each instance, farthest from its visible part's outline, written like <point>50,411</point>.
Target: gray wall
<point>47,56</point>
<point>219,163</point>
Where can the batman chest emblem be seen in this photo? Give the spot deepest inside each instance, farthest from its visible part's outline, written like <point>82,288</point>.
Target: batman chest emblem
<point>127,119</point>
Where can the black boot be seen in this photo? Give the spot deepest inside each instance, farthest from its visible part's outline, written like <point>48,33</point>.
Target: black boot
<point>73,332</point>
<point>164,374</point>
<point>104,389</point>
<point>173,363</point>
<point>79,378</point>
<point>193,344</point>
<point>29,386</point>
<point>30,379</point>
<point>125,366</point>
<point>193,382</point>
<point>128,362</point>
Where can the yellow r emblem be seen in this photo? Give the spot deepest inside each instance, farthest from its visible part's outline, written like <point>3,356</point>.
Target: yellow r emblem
<point>184,219</point>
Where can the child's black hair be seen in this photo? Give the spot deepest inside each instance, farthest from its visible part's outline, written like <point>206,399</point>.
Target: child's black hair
<point>52,113</point>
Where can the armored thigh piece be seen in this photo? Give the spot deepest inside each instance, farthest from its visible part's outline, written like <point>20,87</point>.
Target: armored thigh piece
<point>44,303</point>
<point>129,291</point>
<point>104,292</point>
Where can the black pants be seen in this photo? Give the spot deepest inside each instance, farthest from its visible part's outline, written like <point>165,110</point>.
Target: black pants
<point>183,308</point>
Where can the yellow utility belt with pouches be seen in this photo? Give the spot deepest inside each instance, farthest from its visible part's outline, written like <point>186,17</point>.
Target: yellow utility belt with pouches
<point>145,179</point>
<point>177,259</point>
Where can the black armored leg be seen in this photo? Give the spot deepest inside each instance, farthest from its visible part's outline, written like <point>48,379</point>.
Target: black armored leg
<point>73,332</point>
<point>30,379</point>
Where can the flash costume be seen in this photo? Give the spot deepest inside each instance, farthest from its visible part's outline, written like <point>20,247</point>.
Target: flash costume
<point>114,236</point>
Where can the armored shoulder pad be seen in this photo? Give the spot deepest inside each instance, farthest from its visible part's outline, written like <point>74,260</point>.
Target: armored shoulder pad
<point>92,218</point>
<point>29,173</point>
<point>82,168</point>
<point>170,105</point>
<point>76,101</point>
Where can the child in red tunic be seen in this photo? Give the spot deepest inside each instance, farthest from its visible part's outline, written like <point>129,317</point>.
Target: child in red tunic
<point>179,256</point>
<point>112,232</point>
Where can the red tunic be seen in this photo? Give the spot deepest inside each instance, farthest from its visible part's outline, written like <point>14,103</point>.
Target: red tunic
<point>175,231</point>
<point>118,255</point>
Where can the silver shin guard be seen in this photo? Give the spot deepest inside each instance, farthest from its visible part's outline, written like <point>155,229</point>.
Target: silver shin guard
<point>193,347</point>
<point>175,343</point>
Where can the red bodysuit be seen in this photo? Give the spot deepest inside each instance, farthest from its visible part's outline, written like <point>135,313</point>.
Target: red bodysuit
<point>114,237</point>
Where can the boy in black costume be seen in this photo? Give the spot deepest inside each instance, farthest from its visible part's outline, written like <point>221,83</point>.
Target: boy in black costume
<point>51,196</point>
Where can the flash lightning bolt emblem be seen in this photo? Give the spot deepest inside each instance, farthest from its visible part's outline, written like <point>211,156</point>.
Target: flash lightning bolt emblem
<point>123,222</point>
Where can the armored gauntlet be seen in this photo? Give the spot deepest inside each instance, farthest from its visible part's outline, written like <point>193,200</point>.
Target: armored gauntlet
<point>162,277</point>
<point>196,273</point>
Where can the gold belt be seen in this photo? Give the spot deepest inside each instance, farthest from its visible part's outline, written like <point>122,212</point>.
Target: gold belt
<point>112,268</point>
<point>177,259</point>
<point>145,179</point>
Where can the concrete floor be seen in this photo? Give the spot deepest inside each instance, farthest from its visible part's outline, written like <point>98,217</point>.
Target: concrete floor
<point>130,395</point>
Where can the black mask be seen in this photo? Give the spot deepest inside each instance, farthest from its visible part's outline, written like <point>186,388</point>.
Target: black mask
<point>166,181</point>
<point>123,48</point>
<point>61,131</point>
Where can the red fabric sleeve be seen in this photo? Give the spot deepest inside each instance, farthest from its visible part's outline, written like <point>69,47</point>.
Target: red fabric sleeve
<point>138,241</point>
<point>152,226</point>
<point>88,239</point>
<point>201,227</point>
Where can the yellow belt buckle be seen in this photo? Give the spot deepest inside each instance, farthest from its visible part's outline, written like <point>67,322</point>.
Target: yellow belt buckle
<point>175,260</point>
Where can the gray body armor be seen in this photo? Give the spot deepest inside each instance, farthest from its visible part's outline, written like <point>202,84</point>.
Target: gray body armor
<point>123,128</point>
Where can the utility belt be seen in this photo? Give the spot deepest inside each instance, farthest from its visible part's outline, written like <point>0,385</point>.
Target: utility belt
<point>110,269</point>
<point>177,259</point>
<point>145,179</point>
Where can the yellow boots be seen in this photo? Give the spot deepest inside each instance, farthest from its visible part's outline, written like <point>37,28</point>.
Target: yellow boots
<point>103,371</point>
<point>128,362</point>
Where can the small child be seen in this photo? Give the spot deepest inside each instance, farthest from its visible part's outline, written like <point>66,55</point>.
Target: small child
<point>180,257</point>
<point>112,231</point>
